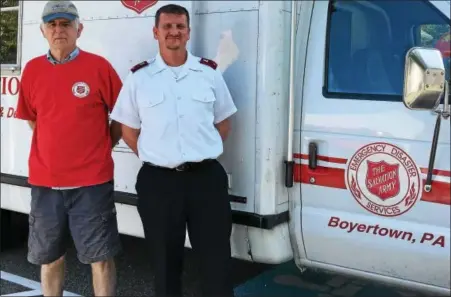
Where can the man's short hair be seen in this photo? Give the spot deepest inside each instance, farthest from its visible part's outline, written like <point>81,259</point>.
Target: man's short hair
<point>171,9</point>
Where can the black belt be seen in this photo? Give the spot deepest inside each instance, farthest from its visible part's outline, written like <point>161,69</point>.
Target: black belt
<point>187,166</point>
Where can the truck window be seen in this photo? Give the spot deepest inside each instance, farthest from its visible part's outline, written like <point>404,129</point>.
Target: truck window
<point>10,20</point>
<point>367,42</point>
<point>438,36</point>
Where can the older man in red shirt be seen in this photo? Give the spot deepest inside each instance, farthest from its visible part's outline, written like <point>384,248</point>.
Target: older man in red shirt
<point>65,96</point>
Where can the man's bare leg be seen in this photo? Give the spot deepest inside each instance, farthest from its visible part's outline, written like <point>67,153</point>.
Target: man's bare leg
<point>52,278</point>
<point>104,278</point>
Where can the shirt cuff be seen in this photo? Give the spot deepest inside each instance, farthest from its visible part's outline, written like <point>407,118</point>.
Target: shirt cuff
<point>126,121</point>
<point>225,115</point>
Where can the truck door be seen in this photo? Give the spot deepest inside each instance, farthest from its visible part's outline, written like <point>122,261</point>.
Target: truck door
<point>363,203</point>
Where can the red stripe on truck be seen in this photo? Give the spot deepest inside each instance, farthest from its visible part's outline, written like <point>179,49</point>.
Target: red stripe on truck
<point>437,172</point>
<point>323,176</point>
<point>440,193</point>
<point>330,177</point>
<point>322,158</point>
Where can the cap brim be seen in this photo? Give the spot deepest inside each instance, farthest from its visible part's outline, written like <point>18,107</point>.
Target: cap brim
<point>59,15</point>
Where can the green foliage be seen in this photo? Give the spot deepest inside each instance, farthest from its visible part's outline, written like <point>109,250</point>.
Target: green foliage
<point>9,3</point>
<point>431,33</point>
<point>8,33</point>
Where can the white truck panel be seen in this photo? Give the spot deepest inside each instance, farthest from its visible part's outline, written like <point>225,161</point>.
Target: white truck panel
<point>272,105</point>
<point>209,7</point>
<point>96,10</point>
<point>215,35</point>
<point>14,158</point>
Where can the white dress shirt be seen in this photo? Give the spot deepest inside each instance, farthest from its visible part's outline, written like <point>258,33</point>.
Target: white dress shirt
<point>176,109</point>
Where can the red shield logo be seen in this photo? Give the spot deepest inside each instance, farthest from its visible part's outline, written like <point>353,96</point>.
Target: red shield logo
<point>382,179</point>
<point>138,5</point>
<point>80,89</point>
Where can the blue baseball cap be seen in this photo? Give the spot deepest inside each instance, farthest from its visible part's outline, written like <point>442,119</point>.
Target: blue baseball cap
<point>59,9</point>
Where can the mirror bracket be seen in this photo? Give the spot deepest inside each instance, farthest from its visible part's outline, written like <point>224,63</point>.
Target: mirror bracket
<point>424,86</point>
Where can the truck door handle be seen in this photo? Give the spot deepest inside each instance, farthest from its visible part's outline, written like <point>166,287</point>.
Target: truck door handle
<point>312,155</point>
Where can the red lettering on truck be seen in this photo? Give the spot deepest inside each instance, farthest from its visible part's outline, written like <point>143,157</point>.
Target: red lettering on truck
<point>433,240</point>
<point>9,85</point>
<point>383,231</point>
<point>7,112</point>
<point>11,113</point>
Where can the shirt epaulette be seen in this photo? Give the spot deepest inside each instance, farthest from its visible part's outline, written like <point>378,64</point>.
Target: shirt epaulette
<point>139,66</point>
<point>209,63</point>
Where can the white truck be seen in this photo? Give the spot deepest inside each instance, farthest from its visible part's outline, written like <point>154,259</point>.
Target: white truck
<point>340,151</point>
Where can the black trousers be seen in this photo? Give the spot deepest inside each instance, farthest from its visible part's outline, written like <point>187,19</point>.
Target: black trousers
<point>171,202</point>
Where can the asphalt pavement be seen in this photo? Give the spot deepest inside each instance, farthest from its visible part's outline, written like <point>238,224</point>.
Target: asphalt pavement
<point>135,275</point>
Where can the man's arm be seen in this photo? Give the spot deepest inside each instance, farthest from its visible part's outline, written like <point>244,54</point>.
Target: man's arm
<point>110,92</point>
<point>115,132</point>
<point>125,114</point>
<point>223,128</point>
<point>25,109</point>
<point>130,136</point>
<point>224,106</point>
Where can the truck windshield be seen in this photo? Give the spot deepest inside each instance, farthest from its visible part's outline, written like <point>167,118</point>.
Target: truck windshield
<point>368,41</point>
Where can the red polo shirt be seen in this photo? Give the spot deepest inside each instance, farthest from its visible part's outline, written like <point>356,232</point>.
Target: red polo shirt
<point>69,102</point>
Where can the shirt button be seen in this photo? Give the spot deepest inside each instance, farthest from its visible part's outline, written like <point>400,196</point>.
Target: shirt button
<point>178,98</point>
<point>181,116</point>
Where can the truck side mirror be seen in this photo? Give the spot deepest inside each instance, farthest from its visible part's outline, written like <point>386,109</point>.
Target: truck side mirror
<point>424,78</point>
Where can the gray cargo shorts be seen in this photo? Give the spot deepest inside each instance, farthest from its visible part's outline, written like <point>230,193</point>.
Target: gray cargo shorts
<point>88,214</point>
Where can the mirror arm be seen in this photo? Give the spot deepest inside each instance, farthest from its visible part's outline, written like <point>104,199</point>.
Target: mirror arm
<point>445,114</point>
<point>446,103</point>
<point>428,185</point>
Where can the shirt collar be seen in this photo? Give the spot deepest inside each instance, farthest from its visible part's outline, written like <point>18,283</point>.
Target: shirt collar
<point>71,57</point>
<point>191,63</point>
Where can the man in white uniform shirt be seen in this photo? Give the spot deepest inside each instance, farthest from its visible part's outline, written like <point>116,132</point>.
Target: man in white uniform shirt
<point>175,111</point>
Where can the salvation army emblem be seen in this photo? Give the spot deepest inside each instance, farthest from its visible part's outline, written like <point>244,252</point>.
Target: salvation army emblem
<point>80,89</point>
<point>383,179</point>
<point>138,5</point>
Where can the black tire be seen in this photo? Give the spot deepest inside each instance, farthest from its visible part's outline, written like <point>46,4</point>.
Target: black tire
<point>5,225</point>
<point>14,229</point>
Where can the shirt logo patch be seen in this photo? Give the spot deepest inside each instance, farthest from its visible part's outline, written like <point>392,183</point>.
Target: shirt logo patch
<point>80,89</point>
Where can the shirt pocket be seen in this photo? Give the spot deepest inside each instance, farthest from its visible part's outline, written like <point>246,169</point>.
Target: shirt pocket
<point>152,100</point>
<point>154,112</point>
<point>201,107</point>
<point>204,98</point>
<point>203,102</point>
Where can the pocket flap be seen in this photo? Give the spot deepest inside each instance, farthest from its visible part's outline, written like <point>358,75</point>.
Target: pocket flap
<point>154,100</point>
<point>204,98</point>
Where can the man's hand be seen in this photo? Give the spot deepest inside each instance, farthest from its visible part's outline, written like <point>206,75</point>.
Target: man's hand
<point>223,128</point>
<point>115,132</point>
<point>130,137</point>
